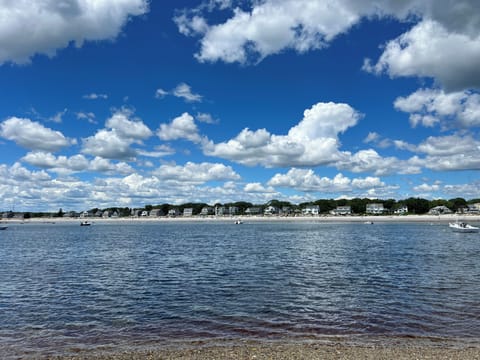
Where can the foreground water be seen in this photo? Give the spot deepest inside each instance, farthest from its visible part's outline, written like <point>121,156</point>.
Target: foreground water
<point>66,288</point>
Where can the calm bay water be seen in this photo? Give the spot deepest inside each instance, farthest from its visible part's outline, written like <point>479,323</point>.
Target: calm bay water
<point>66,288</point>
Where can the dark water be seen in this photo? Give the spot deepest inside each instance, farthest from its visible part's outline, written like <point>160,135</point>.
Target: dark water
<point>66,288</point>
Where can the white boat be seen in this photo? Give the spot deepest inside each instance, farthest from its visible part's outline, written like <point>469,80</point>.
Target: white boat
<point>238,222</point>
<point>463,227</point>
<point>85,223</point>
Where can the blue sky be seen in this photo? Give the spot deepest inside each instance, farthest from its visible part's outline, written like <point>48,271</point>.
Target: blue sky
<point>129,102</point>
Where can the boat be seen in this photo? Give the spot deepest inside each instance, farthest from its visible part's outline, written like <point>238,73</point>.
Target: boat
<point>463,227</point>
<point>3,227</point>
<point>238,222</point>
<point>85,223</point>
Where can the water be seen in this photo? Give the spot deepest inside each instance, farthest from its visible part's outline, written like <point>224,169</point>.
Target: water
<point>66,288</point>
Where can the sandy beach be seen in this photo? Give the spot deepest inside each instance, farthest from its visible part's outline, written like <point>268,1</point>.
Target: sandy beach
<point>246,219</point>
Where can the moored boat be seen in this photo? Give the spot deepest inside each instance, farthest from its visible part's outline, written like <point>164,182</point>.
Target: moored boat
<point>3,227</point>
<point>85,223</point>
<point>463,227</point>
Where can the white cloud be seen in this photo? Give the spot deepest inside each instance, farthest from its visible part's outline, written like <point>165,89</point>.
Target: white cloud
<point>306,180</point>
<point>426,188</point>
<point>257,187</point>
<point>313,141</point>
<point>443,44</point>
<point>94,96</point>
<point>58,117</point>
<point>77,163</point>
<point>41,27</point>
<point>196,173</point>
<point>33,135</point>
<point>269,28</point>
<point>429,107</point>
<point>430,50</point>
<point>370,161</point>
<point>160,93</point>
<point>116,142</point>
<point>182,127</point>
<point>184,91</point>
<point>206,118</point>
<point>126,128</point>
<point>89,116</point>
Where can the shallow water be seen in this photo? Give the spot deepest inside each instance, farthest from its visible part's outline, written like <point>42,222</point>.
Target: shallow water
<point>66,288</point>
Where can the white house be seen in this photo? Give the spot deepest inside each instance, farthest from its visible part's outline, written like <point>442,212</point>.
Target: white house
<point>311,210</point>
<point>439,210</point>
<point>401,210</point>
<point>375,208</point>
<point>207,210</point>
<point>342,210</point>
<point>188,212</point>
<point>270,210</point>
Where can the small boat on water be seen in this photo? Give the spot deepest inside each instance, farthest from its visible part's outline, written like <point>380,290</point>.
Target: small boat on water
<point>3,227</point>
<point>238,222</point>
<point>85,223</point>
<point>463,227</point>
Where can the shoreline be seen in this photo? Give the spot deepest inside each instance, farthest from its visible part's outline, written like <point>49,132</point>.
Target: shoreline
<point>246,219</point>
<point>250,349</point>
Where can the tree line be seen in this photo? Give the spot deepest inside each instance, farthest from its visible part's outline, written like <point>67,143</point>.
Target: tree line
<point>415,205</point>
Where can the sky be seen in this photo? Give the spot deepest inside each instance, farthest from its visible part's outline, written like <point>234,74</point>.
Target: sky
<point>126,103</point>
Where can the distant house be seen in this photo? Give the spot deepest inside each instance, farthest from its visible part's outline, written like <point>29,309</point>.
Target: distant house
<point>401,210</point>
<point>173,212</point>
<point>71,214</point>
<point>270,210</point>
<point>474,208</point>
<point>156,213</point>
<point>207,210</point>
<point>188,212</point>
<point>253,211</point>
<point>221,211</point>
<point>342,210</point>
<point>375,208</point>
<point>106,214</point>
<point>440,210</point>
<point>233,210</point>
<point>285,211</point>
<point>85,214</point>
<point>311,210</point>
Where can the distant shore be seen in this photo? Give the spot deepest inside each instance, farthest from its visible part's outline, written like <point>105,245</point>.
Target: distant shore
<point>246,219</point>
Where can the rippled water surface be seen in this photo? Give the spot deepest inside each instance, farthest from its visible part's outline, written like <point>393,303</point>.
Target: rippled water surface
<point>66,288</point>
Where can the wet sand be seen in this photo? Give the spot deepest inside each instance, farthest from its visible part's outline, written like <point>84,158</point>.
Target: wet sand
<point>260,351</point>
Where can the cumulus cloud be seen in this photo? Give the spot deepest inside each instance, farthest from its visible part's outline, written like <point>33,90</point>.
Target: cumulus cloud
<point>257,187</point>
<point>430,50</point>
<point>370,161</point>
<point>33,135</point>
<point>313,141</point>
<point>306,180</point>
<point>182,127</point>
<point>429,107</point>
<point>444,43</point>
<point>41,27</point>
<point>77,163</point>
<point>115,141</point>
<point>196,173</point>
